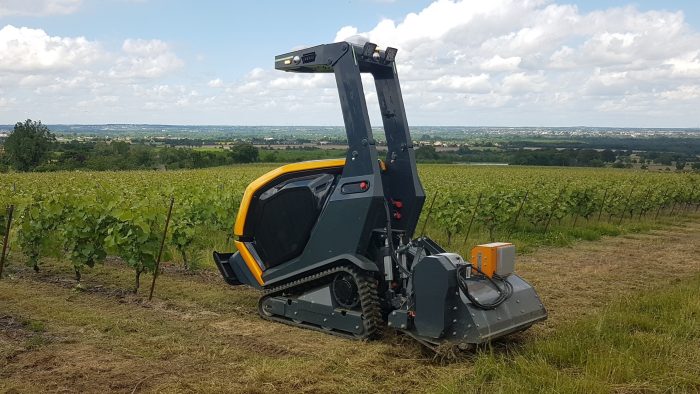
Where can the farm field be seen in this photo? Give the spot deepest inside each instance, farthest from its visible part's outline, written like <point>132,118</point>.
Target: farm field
<point>620,308</point>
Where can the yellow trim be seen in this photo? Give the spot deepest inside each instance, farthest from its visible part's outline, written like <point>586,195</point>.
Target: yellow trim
<point>249,261</point>
<point>266,178</point>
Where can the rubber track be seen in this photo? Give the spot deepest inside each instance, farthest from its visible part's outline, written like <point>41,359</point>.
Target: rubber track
<point>366,287</point>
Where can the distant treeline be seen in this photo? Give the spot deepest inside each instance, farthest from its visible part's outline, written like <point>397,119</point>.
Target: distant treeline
<point>32,147</point>
<point>119,155</point>
<point>557,157</point>
<point>685,146</point>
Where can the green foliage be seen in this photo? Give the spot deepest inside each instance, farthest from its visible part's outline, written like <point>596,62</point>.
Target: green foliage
<point>450,214</point>
<point>183,230</point>
<point>28,145</point>
<point>83,215</point>
<point>427,153</point>
<point>84,230</point>
<point>244,153</point>
<point>136,232</point>
<point>31,232</point>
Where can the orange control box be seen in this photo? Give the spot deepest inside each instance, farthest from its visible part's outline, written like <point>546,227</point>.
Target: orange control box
<point>494,258</point>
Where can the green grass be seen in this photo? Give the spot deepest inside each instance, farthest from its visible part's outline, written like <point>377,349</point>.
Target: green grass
<point>528,238</point>
<point>647,343</point>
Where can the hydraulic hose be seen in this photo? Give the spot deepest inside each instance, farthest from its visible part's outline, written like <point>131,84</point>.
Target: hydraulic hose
<point>389,234</point>
<point>503,293</point>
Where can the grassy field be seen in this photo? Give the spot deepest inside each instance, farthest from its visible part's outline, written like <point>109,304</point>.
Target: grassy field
<point>623,318</point>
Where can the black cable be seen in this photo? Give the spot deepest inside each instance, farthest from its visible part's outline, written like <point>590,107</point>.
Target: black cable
<point>503,293</point>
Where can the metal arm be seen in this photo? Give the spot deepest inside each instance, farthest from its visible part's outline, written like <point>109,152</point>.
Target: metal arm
<point>347,62</point>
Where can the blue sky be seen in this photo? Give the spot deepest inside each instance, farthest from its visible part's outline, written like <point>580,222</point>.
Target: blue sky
<point>498,62</point>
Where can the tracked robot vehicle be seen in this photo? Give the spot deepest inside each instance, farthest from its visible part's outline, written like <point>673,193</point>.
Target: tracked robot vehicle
<point>331,242</point>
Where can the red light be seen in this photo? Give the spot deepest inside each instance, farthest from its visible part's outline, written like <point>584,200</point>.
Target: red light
<point>397,204</point>
<point>397,215</point>
<point>363,185</point>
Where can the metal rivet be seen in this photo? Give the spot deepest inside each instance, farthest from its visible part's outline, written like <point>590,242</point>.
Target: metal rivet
<point>517,301</point>
<point>454,308</point>
<point>357,327</point>
<point>454,320</point>
<point>393,313</point>
<point>469,326</point>
<point>454,333</point>
<point>389,324</point>
<point>324,319</point>
<point>403,326</point>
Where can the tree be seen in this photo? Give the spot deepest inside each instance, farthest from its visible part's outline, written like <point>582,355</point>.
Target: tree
<point>427,152</point>
<point>28,145</point>
<point>607,156</point>
<point>244,153</point>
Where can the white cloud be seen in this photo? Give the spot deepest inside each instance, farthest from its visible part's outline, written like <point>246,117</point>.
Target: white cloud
<point>38,7</point>
<point>145,59</point>
<point>468,62</point>
<point>540,58</point>
<point>497,63</point>
<point>28,50</point>
<point>215,83</point>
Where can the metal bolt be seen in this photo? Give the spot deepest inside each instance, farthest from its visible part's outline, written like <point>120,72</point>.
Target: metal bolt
<point>454,308</point>
<point>393,313</point>
<point>389,324</point>
<point>473,314</point>
<point>469,326</point>
<point>295,313</point>
<point>324,319</point>
<point>517,301</point>
<point>454,320</point>
<point>403,326</point>
<point>454,333</point>
<point>357,327</point>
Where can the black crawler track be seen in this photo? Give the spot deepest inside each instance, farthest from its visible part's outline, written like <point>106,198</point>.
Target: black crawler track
<point>367,289</point>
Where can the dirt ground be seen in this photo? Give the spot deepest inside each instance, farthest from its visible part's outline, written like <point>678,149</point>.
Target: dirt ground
<point>202,335</point>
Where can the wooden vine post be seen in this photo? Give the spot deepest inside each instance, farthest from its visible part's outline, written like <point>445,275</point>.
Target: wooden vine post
<point>554,208</point>
<point>471,221</point>
<point>160,252</point>
<point>6,237</point>
<point>517,215</point>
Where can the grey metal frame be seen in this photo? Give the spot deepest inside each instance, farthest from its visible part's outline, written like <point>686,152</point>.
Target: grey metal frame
<point>346,223</point>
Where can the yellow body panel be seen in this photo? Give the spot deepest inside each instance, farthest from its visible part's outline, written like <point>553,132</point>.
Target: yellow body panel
<point>485,257</point>
<point>266,178</point>
<point>249,261</point>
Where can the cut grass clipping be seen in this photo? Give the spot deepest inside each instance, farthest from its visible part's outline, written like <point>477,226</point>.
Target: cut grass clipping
<point>648,343</point>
